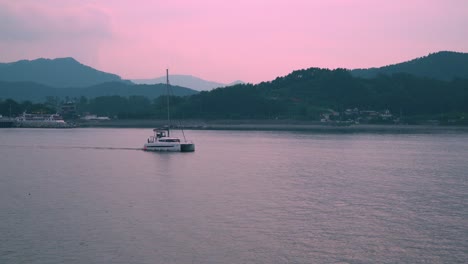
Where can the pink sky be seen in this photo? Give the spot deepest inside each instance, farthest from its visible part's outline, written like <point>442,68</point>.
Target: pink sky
<point>249,40</point>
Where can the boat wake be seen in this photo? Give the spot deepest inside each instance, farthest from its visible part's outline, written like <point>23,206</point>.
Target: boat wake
<point>69,147</point>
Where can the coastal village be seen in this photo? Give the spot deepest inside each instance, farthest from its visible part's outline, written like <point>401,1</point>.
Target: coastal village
<point>67,116</point>
<point>356,116</point>
<point>66,110</point>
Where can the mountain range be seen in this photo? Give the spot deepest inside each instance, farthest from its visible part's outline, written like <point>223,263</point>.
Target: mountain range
<point>193,82</point>
<point>65,77</point>
<point>60,73</point>
<point>38,79</point>
<point>36,92</point>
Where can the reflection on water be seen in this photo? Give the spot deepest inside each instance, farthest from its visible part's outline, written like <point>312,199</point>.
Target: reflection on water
<point>90,196</point>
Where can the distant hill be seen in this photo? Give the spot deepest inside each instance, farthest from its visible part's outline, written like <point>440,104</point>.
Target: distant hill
<point>61,73</point>
<point>189,81</point>
<point>443,65</point>
<point>35,92</point>
<point>306,94</point>
<point>303,95</point>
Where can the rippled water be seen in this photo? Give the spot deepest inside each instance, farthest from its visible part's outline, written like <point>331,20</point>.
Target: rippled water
<point>91,196</point>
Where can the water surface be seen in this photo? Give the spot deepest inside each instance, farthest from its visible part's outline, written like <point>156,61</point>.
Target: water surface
<point>92,196</point>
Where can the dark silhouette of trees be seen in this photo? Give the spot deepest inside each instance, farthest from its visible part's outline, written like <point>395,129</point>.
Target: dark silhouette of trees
<point>303,94</point>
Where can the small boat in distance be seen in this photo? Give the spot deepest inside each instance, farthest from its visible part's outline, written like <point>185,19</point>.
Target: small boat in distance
<point>162,140</point>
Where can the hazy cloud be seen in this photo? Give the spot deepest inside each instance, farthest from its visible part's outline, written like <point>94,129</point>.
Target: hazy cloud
<point>51,29</point>
<point>30,22</point>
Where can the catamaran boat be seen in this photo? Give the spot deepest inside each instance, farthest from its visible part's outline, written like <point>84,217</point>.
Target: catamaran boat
<point>162,141</point>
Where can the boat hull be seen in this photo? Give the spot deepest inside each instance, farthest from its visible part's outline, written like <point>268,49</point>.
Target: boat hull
<point>6,123</point>
<point>183,147</point>
<point>43,124</point>
<point>187,147</point>
<point>158,147</point>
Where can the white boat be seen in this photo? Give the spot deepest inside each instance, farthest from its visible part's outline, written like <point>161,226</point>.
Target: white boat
<point>41,121</point>
<point>162,140</point>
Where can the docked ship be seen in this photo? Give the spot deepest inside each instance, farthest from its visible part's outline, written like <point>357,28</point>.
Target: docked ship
<point>41,121</point>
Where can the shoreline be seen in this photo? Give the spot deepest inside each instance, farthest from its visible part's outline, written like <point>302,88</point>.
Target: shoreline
<point>273,125</point>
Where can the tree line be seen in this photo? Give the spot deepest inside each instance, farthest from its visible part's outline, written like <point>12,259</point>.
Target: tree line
<point>303,94</point>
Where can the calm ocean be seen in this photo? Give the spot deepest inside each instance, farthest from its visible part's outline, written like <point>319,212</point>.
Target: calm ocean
<point>92,196</point>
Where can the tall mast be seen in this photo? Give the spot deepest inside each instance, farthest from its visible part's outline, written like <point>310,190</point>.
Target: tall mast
<point>167,97</point>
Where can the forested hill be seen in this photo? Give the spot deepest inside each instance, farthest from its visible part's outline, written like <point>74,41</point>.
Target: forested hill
<point>305,94</point>
<point>34,92</point>
<point>60,73</point>
<point>443,65</point>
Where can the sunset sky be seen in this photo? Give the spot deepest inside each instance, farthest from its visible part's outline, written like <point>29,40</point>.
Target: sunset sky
<point>249,40</point>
